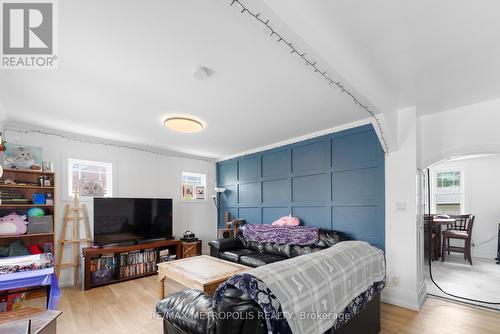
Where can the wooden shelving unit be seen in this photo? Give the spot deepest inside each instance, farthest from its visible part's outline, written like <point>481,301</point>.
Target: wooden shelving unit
<point>31,178</point>
<point>90,253</point>
<point>25,236</point>
<point>26,171</point>
<point>15,186</point>
<point>26,206</point>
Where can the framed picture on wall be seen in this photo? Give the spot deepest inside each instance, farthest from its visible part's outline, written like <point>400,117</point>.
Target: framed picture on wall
<point>187,191</point>
<point>200,192</point>
<point>23,157</point>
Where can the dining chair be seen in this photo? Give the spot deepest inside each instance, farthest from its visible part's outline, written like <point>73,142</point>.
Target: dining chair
<point>460,223</point>
<point>460,230</point>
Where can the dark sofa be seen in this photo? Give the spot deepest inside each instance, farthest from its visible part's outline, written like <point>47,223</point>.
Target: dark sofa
<point>191,311</point>
<point>255,254</point>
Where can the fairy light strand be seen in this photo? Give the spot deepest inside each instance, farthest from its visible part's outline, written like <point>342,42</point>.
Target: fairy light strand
<point>103,143</point>
<point>314,66</point>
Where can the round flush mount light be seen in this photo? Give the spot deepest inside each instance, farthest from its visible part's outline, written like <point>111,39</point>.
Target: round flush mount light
<point>184,124</point>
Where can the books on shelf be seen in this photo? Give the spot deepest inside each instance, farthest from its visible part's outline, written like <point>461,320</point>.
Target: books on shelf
<point>136,263</point>
<point>106,261</point>
<point>164,256</point>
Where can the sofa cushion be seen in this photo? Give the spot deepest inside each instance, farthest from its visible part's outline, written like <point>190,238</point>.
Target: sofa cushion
<point>301,250</point>
<point>256,246</point>
<point>227,244</point>
<point>284,250</point>
<point>328,238</point>
<point>256,260</point>
<point>235,254</point>
<point>188,311</point>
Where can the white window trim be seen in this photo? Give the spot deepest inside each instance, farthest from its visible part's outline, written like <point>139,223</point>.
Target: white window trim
<point>193,201</point>
<point>461,170</point>
<point>67,195</point>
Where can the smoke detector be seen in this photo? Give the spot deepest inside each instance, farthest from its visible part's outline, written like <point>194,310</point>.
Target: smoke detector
<point>200,73</point>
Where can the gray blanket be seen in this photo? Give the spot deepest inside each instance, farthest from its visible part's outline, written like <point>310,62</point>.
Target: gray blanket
<point>314,289</point>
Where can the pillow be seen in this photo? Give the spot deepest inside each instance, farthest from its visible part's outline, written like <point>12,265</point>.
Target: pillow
<point>34,249</point>
<point>287,221</point>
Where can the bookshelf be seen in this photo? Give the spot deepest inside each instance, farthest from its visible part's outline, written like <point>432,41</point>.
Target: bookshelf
<point>26,183</point>
<point>111,262</point>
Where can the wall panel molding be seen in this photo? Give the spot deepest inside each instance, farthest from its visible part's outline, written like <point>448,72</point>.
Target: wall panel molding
<point>335,181</point>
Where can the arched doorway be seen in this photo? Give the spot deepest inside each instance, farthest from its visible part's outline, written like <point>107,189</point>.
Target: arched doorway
<point>465,185</point>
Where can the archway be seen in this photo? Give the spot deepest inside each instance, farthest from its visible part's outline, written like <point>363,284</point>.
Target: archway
<point>461,183</point>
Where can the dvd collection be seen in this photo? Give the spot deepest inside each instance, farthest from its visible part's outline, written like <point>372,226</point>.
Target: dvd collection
<point>165,256</point>
<point>137,263</point>
<point>129,264</point>
<point>106,261</point>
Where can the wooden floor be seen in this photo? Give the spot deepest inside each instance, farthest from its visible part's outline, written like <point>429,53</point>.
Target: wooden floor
<point>438,316</point>
<point>128,307</point>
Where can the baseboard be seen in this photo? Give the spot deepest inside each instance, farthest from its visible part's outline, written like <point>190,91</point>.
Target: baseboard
<point>406,299</point>
<point>422,294</point>
<point>485,254</point>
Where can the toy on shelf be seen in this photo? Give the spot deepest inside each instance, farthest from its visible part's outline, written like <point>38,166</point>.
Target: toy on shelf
<point>13,224</point>
<point>36,212</point>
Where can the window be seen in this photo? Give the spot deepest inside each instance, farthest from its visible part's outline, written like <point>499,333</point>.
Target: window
<point>90,178</point>
<point>193,186</point>
<point>449,192</point>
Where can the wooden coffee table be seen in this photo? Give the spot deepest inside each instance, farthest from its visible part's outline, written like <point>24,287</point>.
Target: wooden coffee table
<point>42,321</point>
<point>203,272</point>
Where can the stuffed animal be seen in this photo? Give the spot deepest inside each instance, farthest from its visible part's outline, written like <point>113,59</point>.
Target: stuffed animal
<point>13,224</point>
<point>287,221</point>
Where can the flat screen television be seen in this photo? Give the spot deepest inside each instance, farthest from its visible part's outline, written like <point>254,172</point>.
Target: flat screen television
<point>125,220</point>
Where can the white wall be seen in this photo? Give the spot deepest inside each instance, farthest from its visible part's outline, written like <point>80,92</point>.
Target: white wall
<point>481,188</point>
<point>467,130</point>
<point>138,174</point>
<point>405,283</point>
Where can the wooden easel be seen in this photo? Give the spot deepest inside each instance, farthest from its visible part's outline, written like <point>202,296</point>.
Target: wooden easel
<point>75,217</point>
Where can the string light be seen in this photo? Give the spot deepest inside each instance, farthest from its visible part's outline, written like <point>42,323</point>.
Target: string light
<point>313,65</point>
<point>103,143</point>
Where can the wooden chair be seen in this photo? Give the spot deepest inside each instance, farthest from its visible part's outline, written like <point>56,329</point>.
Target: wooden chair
<point>460,223</point>
<point>461,230</point>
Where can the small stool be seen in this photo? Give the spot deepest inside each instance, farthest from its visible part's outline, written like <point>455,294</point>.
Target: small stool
<point>188,311</point>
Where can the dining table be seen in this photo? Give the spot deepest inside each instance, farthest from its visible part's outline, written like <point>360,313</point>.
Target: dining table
<point>436,224</point>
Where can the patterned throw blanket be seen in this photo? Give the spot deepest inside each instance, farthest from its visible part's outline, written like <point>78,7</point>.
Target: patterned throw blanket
<point>16,264</point>
<point>315,292</point>
<point>293,235</point>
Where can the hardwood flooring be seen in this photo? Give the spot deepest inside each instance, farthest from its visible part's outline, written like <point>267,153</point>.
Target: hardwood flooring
<point>440,317</point>
<point>128,307</point>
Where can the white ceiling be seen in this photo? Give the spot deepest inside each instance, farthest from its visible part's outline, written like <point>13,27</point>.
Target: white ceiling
<point>126,65</point>
<point>433,54</point>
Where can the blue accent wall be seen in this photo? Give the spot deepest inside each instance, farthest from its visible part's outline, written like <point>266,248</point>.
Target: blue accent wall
<point>334,182</point>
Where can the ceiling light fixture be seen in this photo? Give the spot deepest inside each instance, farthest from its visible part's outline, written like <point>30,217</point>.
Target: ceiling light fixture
<point>184,124</point>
